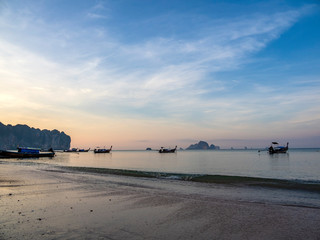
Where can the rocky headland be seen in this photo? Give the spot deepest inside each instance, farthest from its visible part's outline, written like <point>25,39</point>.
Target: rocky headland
<point>25,136</point>
<point>202,145</point>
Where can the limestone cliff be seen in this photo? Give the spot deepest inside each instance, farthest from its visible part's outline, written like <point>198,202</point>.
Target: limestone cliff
<point>24,136</point>
<point>202,145</point>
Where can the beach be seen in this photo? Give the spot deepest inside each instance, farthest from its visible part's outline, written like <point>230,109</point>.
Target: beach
<point>46,202</point>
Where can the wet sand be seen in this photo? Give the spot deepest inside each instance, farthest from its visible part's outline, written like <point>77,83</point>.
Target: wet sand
<point>41,202</point>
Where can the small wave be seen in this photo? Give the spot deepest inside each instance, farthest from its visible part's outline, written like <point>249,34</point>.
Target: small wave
<point>239,181</point>
<point>313,186</point>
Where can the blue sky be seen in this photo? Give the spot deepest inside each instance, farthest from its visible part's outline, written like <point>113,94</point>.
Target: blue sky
<point>150,73</point>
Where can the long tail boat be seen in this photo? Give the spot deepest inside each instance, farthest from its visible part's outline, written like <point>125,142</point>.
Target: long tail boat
<point>275,148</point>
<point>102,150</point>
<point>165,150</point>
<point>71,150</point>
<point>84,150</point>
<point>26,153</point>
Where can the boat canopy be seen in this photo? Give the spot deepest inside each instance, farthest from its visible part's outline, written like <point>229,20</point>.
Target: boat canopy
<point>28,150</point>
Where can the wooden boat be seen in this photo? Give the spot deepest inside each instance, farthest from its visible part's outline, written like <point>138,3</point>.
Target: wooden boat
<point>26,153</point>
<point>165,150</point>
<point>71,150</point>
<point>102,150</point>
<point>275,148</point>
<point>84,150</point>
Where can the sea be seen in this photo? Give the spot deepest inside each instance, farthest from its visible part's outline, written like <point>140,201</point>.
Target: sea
<point>296,164</point>
<point>292,178</point>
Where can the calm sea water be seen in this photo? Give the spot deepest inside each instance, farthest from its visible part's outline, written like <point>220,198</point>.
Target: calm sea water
<point>301,164</point>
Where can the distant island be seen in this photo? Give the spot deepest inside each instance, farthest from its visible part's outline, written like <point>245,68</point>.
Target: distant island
<point>24,136</point>
<point>202,145</point>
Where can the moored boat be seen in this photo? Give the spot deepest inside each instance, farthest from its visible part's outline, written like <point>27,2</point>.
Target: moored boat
<point>165,150</point>
<point>71,150</point>
<point>26,153</point>
<point>102,150</point>
<point>275,148</point>
<point>84,150</point>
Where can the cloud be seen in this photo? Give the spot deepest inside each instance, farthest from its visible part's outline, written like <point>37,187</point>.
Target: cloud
<point>89,69</point>
<point>99,11</point>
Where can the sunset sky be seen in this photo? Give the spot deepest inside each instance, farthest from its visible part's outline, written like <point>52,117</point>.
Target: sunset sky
<point>141,73</point>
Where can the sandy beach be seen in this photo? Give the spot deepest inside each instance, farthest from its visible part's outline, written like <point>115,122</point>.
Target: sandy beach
<point>43,202</point>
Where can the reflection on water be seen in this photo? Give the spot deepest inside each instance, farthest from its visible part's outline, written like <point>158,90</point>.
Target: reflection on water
<point>297,164</point>
<point>281,156</point>
<point>279,163</point>
<point>102,156</point>
<point>279,159</point>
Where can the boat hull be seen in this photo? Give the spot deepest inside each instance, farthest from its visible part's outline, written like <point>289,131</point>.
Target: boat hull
<point>81,150</point>
<point>13,154</point>
<point>102,151</point>
<point>169,151</point>
<point>272,151</point>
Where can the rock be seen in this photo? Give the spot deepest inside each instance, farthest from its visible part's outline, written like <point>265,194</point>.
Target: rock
<point>202,145</point>
<point>24,136</point>
<point>213,147</point>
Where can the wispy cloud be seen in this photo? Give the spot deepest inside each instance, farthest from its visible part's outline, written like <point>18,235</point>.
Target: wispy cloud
<point>89,69</point>
<point>99,11</point>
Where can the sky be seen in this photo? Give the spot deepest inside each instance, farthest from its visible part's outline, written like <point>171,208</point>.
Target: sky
<point>140,73</point>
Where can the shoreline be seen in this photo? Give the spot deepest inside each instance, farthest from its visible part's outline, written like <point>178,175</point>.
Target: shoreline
<point>44,202</point>
<point>302,185</point>
<point>235,180</point>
